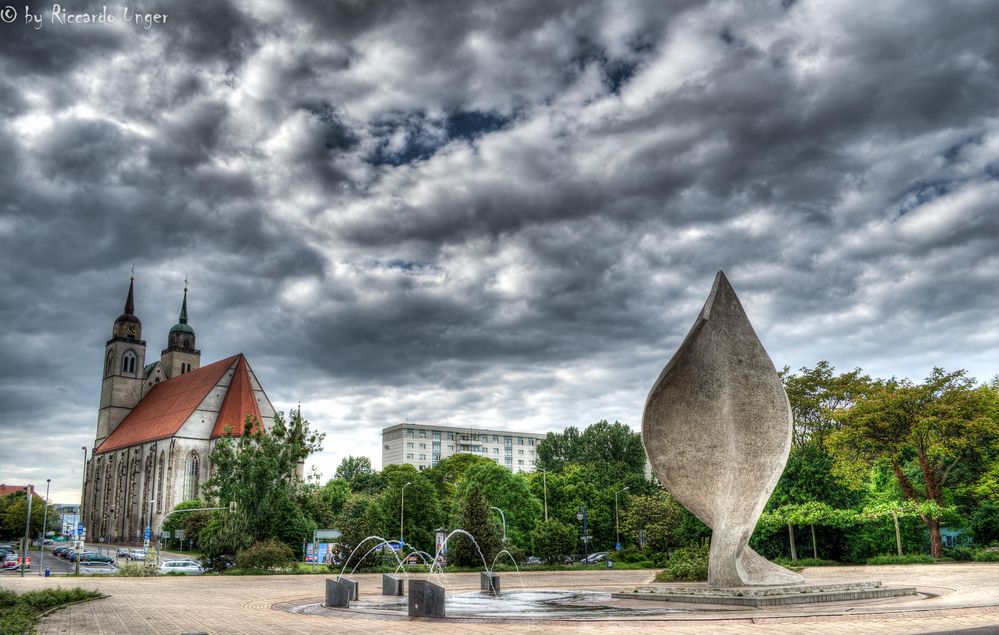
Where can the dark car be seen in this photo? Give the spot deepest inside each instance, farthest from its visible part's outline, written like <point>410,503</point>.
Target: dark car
<point>88,558</point>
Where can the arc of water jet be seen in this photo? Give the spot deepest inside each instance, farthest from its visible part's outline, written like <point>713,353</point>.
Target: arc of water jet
<point>514,561</point>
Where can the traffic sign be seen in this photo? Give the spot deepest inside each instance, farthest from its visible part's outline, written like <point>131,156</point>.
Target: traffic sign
<point>617,547</point>
<point>79,529</point>
<point>147,534</point>
<point>326,534</point>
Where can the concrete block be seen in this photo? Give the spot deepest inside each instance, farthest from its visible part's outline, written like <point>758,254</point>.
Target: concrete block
<point>392,585</point>
<point>489,582</point>
<point>350,584</point>
<point>337,595</point>
<point>426,599</point>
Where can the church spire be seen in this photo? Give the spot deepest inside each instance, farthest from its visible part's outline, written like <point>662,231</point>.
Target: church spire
<point>183,307</point>
<point>130,300</point>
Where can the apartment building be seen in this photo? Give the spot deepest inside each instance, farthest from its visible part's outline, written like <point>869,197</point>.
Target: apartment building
<point>422,446</point>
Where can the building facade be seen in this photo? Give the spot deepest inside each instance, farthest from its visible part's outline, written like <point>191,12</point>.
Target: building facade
<point>157,425</point>
<point>423,446</point>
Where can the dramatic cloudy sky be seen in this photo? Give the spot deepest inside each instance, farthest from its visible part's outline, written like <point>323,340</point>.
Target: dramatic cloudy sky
<point>499,214</point>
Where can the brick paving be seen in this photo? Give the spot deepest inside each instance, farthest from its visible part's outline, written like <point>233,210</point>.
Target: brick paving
<point>954,597</point>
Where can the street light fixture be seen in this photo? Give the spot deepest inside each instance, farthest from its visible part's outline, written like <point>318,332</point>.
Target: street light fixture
<point>27,527</point>
<point>617,524</point>
<point>402,514</point>
<point>45,520</point>
<point>544,481</point>
<point>503,516</point>
<point>581,515</point>
<point>83,500</point>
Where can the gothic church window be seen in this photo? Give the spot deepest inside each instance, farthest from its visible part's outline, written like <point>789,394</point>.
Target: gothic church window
<point>193,469</point>
<point>108,364</point>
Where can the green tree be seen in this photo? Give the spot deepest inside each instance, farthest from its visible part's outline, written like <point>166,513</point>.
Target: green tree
<point>551,540</point>
<point>507,491</point>
<point>14,511</point>
<point>937,424</point>
<point>357,520</point>
<point>477,519</point>
<point>260,472</point>
<point>448,473</point>
<point>610,443</point>
<point>558,449</point>
<point>659,518</point>
<point>357,471</point>
<point>816,396</point>
<point>423,510</point>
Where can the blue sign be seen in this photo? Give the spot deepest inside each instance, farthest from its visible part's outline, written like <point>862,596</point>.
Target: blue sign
<point>617,546</point>
<point>79,529</point>
<point>147,536</point>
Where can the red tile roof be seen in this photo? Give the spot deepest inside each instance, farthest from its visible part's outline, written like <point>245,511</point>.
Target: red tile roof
<point>7,490</point>
<point>165,408</point>
<point>239,402</point>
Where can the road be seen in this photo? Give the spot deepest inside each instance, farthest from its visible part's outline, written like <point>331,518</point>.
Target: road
<point>58,566</point>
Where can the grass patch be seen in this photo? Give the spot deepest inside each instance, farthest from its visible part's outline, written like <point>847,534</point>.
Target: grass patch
<point>19,613</point>
<point>801,563</point>
<point>913,558</point>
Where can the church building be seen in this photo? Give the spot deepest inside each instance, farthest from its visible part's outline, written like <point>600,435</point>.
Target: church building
<point>158,422</point>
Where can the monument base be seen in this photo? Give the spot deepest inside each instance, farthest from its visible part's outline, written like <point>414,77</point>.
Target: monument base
<point>489,582</point>
<point>759,596</point>
<point>426,599</point>
<point>392,585</point>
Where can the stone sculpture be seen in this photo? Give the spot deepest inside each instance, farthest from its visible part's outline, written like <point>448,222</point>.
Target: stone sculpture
<point>717,430</point>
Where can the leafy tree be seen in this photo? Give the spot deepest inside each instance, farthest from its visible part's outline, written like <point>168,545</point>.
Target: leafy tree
<point>816,395</point>
<point>609,443</point>
<point>357,520</point>
<point>423,510</point>
<point>260,472</point>
<point>659,518</point>
<point>477,519</point>
<point>558,449</point>
<point>938,424</point>
<point>448,472</point>
<point>507,491</point>
<point>14,511</point>
<point>267,555</point>
<point>551,540</point>
<point>356,470</point>
<point>322,503</point>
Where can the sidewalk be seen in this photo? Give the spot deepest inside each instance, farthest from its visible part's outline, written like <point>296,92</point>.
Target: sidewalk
<point>956,596</point>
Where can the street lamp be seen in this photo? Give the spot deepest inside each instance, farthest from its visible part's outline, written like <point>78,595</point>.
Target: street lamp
<point>45,520</point>
<point>617,524</point>
<point>402,514</point>
<point>27,537</point>
<point>544,481</point>
<point>581,515</point>
<point>83,500</point>
<point>503,516</point>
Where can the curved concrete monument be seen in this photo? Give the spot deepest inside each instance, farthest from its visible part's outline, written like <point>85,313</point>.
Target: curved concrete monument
<point>717,429</point>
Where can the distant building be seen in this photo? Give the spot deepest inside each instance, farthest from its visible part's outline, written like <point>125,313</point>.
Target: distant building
<point>423,446</point>
<point>69,516</point>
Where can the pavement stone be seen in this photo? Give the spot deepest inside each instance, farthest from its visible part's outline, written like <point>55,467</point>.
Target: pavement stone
<point>961,596</point>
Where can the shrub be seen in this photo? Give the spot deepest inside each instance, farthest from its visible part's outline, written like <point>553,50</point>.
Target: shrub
<point>267,555</point>
<point>138,570</point>
<point>912,558</point>
<point>801,563</point>
<point>18,614</point>
<point>986,555</point>
<point>960,553</point>
<point>688,564</point>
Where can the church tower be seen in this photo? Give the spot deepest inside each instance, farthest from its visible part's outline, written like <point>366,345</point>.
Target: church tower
<point>124,358</point>
<point>180,355</point>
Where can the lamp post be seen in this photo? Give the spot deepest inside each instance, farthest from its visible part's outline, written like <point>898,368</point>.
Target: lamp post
<point>27,537</point>
<point>617,524</point>
<point>581,515</point>
<point>83,500</point>
<point>402,514</point>
<point>45,521</point>
<point>544,483</point>
<point>503,516</point>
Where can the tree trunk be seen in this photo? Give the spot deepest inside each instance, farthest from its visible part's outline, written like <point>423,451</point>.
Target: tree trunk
<point>936,543</point>
<point>898,533</point>
<point>815,549</point>
<point>790,533</point>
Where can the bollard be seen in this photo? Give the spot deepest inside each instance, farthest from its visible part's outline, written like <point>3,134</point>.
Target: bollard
<point>337,595</point>
<point>48,572</point>
<point>426,599</point>
<point>350,584</point>
<point>489,581</point>
<point>392,585</point>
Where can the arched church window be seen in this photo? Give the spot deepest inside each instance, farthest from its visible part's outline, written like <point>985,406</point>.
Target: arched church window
<point>193,469</point>
<point>128,363</point>
<point>108,364</point>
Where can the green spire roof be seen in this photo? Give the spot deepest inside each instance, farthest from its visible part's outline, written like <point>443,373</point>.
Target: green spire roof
<point>182,326</point>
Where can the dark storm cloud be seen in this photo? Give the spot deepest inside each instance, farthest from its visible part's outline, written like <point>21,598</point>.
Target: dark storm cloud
<point>498,215</point>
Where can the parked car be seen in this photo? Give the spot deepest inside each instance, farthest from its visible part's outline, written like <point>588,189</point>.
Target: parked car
<point>598,556</point>
<point>13,561</point>
<point>58,551</point>
<point>88,558</point>
<point>533,560</point>
<point>98,568</point>
<point>136,554</point>
<point>186,567</point>
<point>68,554</point>
<point>122,552</point>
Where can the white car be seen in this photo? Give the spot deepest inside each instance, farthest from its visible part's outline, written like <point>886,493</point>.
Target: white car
<point>136,554</point>
<point>187,567</point>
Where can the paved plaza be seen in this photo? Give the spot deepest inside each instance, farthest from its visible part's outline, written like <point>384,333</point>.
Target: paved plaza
<point>952,597</point>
